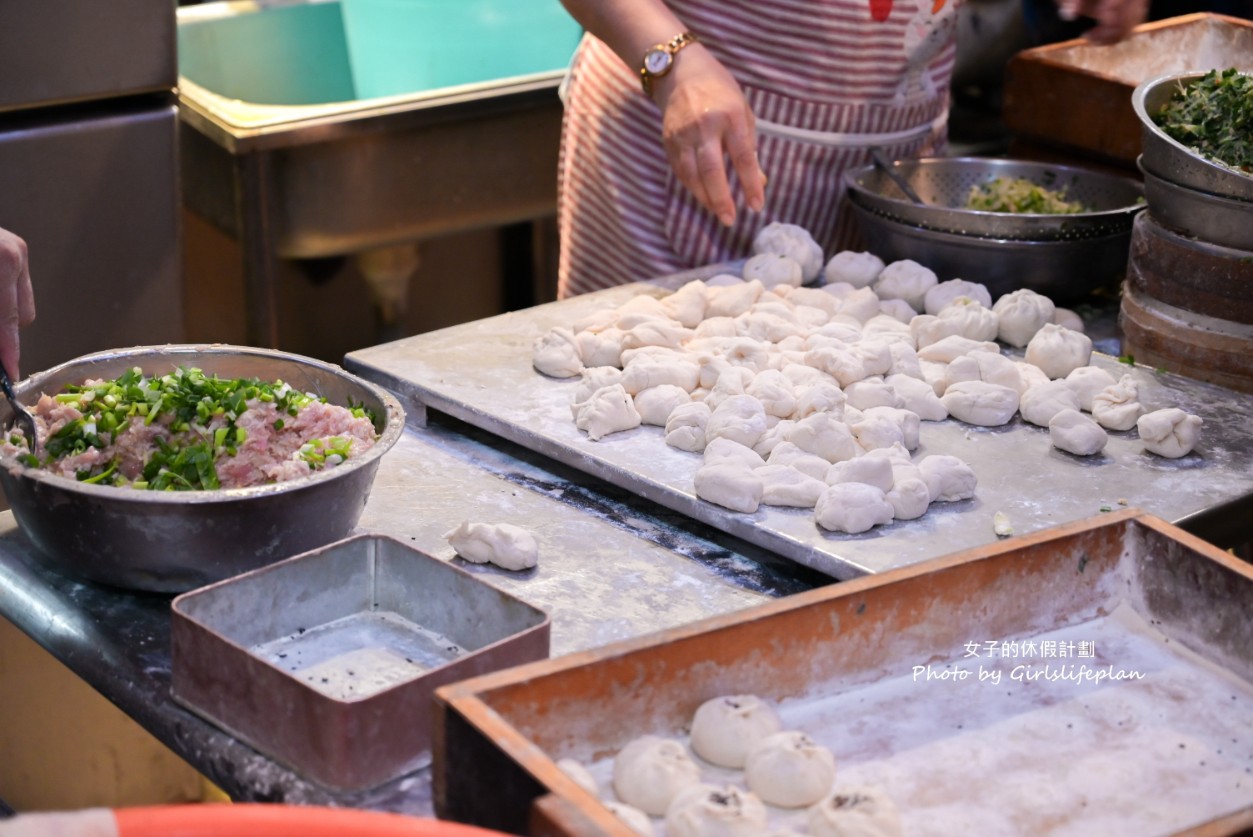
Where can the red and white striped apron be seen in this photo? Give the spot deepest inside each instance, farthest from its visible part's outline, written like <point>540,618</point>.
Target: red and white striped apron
<point>826,79</point>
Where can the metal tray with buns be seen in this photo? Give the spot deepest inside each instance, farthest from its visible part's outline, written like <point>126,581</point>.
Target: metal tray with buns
<point>1093,679</point>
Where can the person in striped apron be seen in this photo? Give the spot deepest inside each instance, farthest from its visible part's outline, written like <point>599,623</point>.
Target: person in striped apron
<point>759,105</point>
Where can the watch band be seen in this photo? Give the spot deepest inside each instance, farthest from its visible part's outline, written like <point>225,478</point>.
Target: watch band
<point>659,59</point>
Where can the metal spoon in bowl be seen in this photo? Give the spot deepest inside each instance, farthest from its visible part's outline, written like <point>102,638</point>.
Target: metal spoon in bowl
<point>886,166</point>
<point>21,416</point>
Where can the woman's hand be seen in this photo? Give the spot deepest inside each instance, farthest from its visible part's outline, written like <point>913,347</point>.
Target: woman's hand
<point>17,299</point>
<point>1114,18</point>
<point>706,122</point>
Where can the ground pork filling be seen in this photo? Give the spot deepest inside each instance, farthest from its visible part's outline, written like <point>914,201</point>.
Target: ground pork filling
<point>186,430</point>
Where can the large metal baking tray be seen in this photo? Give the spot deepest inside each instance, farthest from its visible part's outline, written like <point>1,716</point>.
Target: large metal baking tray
<point>326,662</point>
<point>481,373</point>
<point>1160,746</point>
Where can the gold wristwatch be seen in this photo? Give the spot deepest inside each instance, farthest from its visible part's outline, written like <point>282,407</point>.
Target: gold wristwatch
<point>659,59</point>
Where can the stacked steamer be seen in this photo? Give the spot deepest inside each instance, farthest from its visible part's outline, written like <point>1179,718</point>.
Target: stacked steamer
<point>1187,303</point>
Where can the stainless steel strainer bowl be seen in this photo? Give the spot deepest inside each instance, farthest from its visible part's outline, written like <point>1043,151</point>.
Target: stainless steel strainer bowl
<point>944,184</point>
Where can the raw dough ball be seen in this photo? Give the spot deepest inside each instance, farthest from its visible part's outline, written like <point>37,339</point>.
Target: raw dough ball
<point>740,418</point>
<point>1058,351</point>
<point>962,317</point>
<point>947,478</point>
<point>1118,407</point>
<point>862,305</point>
<point>580,774</point>
<point>852,507</point>
<point>853,268</point>
<point>786,453</point>
<point>600,348</point>
<point>859,812</point>
<point>1087,381</point>
<point>557,354</point>
<point>868,470</point>
<point>918,397</point>
<point>725,728</point>
<point>1073,432</point>
<point>871,392</point>
<point>839,360</point>
<point>981,403</point>
<point>1171,432</point>
<point>728,450</point>
<point>731,300</point>
<point>635,819</point>
<point>909,498</point>
<point>645,373</point>
<point>820,397</point>
<point>687,304</point>
<point>783,485</point>
<point>651,771</point>
<point>953,347</point>
<point>897,309</point>
<point>790,770</point>
<point>1040,403</point>
<point>685,426</point>
<point>905,279</point>
<point>775,392</point>
<point>1021,314</point>
<point>989,367</point>
<point>1068,319</point>
<point>505,545</point>
<point>773,269</point>
<point>655,404</point>
<point>609,410</point>
<point>712,811</point>
<point>939,296</point>
<point>823,434</point>
<point>874,431</point>
<point>729,485</point>
<point>794,242</point>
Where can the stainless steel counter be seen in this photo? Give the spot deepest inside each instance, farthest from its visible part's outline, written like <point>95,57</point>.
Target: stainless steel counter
<point>611,567</point>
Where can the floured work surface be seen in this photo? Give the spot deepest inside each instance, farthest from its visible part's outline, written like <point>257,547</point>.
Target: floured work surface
<point>481,372</point>
<point>1095,679</point>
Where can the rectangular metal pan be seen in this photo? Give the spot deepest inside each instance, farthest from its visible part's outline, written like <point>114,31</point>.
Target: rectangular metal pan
<point>326,662</point>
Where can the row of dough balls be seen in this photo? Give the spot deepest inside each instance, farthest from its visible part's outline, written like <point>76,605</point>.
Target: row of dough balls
<point>658,777</point>
<point>798,374</point>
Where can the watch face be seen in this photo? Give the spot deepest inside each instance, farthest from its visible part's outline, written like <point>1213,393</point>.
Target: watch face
<point>656,61</point>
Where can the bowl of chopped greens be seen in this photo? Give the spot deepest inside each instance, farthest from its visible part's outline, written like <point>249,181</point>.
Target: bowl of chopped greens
<point>165,468</point>
<point>1197,130</point>
<point>998,198</point>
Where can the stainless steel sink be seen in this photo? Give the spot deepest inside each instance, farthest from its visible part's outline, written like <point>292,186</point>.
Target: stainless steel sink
<point>284,157</point>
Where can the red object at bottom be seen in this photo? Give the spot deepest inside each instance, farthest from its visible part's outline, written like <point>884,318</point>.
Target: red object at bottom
<point>264,820</point>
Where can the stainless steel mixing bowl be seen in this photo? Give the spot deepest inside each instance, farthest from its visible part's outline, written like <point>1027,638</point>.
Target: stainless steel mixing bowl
<point>1216,219</point>
<point>1174,161</point>
<point>944,184</point>
<point>171,541</point>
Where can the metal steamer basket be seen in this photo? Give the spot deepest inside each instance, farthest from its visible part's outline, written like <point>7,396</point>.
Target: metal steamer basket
<point>1173,161</point>
<point>944,184</point>
<point>172,541</point>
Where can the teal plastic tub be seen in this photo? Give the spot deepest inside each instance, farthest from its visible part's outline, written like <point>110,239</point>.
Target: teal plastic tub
<point>396,47</point>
